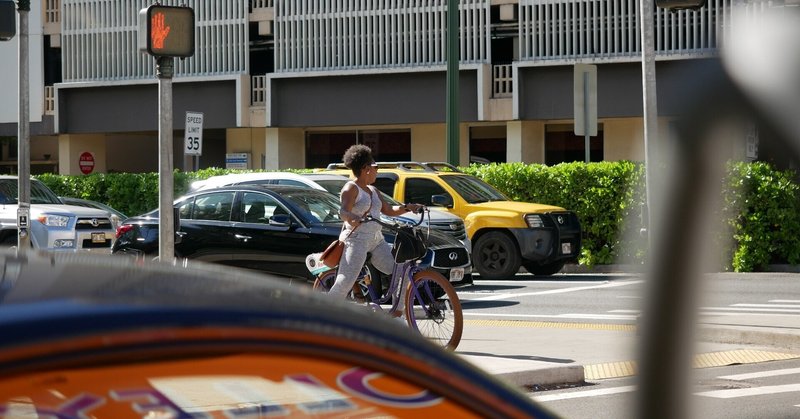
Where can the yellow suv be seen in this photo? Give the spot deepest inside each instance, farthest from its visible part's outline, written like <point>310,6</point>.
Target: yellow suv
<point>505,234</point>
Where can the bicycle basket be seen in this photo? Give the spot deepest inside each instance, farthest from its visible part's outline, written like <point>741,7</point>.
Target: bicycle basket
<point>408,244</point>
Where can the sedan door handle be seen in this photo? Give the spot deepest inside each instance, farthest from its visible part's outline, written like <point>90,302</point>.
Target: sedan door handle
<point>242,237</point>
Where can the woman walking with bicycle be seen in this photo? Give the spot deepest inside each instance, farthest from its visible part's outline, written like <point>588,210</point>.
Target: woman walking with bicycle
<point>359,200</point>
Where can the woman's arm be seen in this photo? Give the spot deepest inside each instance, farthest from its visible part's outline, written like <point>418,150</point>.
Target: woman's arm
<point>395,210</point>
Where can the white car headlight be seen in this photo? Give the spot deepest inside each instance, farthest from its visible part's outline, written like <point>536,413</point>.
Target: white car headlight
<point>534,220</point>
<point>52,220</point>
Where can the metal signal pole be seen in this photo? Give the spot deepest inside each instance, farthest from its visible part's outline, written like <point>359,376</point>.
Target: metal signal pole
<point>165,68</point>
<point>24,138</point>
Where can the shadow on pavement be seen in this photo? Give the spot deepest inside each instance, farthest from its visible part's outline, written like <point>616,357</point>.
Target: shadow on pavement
<point>479,288</point>
<point>487,304</point>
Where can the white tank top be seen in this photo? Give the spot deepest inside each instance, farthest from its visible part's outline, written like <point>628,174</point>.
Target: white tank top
<point>362,204</point>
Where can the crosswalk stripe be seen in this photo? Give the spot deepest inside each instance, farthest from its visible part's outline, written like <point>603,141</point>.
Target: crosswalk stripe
<point>587,393</point>
<point>770,310</point>
<point>767,305</point>
<point>754,391</point>
<point>773,373</point>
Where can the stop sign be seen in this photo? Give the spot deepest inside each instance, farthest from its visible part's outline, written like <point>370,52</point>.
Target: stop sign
<point>86,162</point>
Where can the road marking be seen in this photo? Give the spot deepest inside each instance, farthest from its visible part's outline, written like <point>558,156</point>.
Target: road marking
<point>587,393</point>
<point>530,281</point>
<point>625,311</point>
<point>746,392</point>
<point>552,325</point>
<point>785,301</point>
<point>555,316</point>
<point>767,310</point>
<point>767,305</point>
<point>557,291</point>
<point>718,313</point>
<point>773,373</point>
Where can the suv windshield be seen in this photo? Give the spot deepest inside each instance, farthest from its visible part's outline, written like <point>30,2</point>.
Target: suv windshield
<point>473,190</point>
<point>40,194</point>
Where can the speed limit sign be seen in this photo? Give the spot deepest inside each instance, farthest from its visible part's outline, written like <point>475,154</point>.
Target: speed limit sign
<point>193,145</point>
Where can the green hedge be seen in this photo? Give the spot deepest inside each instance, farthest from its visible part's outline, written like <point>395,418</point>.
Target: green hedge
<point>603,195</point>
<point>762,210</point>
<point>761,206</point>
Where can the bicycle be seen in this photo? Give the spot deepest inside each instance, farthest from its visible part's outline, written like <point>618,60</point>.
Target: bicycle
<point>432,307</point>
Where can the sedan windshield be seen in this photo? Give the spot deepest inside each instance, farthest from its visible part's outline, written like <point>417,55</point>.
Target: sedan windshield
<point>40,194</point>
<point>316,205</point>
<point>474,190</point>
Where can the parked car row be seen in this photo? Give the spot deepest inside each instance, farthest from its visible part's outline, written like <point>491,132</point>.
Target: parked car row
<point>270,221</point>
<point>270,228</point>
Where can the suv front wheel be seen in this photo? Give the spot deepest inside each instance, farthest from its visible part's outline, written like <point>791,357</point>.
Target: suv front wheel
<point>496,256</point>
<point>546,269</point>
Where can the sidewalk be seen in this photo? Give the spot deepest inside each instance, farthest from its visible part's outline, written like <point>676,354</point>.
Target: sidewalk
<point>526,353</point>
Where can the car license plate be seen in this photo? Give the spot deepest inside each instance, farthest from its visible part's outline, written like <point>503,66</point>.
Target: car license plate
<point>98,237</point>
<point>456,274</point>
<point>566,248</point>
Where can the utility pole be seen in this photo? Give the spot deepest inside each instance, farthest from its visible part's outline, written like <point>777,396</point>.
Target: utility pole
<point>23,137</point>
<point>453,132</point>
<point>650,109</point>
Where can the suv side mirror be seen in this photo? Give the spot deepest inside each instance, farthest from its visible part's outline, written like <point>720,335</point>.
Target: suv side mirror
<point>442,201</point>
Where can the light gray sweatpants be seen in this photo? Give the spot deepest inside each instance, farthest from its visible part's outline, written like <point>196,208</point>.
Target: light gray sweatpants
<point>361,242</point>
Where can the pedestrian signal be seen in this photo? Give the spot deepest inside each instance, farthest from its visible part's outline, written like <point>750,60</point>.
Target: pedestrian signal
<point>167,31</point>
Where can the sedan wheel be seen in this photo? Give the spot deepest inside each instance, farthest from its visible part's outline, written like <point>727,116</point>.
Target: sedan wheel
<point>496,256</point>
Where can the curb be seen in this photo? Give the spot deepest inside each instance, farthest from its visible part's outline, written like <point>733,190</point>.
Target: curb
<point>763,336</point>
<point>528,373</point>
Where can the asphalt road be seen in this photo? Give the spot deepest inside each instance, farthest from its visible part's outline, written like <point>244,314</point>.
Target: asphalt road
<point>758,389</point>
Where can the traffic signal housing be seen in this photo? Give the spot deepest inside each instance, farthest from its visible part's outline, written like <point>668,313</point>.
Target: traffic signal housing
<point>167,31</point>
<point>8,20</point>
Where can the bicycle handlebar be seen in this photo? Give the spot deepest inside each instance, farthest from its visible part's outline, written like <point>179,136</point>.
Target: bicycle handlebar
<point>422,210</point>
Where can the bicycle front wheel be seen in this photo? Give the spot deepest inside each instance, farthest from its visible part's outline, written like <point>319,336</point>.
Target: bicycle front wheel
<point>434,310</point>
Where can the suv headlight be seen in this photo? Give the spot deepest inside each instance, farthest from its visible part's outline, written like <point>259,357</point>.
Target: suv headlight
<point>52,220</point>
<point>534,220</point>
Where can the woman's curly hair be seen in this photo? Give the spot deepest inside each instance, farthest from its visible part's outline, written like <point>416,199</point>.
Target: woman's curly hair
<point>357,157</point>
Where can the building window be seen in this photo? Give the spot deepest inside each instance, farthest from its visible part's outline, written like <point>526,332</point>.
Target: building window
<point>561,145</point>
<point>487,144</point>
<point>323,148</point>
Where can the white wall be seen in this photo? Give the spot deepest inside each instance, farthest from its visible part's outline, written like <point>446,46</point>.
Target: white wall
<point>9,70</point>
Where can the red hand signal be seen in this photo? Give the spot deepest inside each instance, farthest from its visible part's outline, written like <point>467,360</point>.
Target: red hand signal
<point>158,31</point>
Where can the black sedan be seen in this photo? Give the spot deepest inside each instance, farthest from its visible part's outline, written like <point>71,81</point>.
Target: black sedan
<point>266,228</point>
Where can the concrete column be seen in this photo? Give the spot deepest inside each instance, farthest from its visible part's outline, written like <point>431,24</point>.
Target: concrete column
<point>70,148</point>
<point>285,148</point>
<point>525,141</point>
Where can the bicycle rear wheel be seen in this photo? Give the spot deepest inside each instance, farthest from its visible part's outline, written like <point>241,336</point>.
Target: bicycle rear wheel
<point>360,292</point>
<point>434,309</point>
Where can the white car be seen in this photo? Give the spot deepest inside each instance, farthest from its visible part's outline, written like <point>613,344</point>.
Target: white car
<point>439,220</point>
<point>53,225</point>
